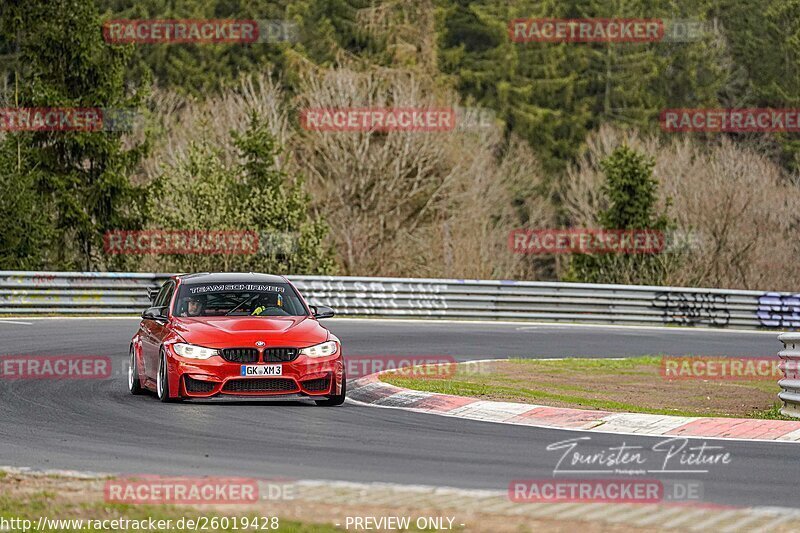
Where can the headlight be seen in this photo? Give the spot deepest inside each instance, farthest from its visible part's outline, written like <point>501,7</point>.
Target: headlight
<point>321,350</point>
<point>193,352</point>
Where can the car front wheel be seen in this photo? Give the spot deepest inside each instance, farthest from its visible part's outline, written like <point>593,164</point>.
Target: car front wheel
<point>337,399</point>
<point>134,385</point>
<point>162,380</point>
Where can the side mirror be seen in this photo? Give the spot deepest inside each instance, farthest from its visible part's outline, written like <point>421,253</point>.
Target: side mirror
<point>155,313</point>
<point>152,292</point>
<point>321,311</point>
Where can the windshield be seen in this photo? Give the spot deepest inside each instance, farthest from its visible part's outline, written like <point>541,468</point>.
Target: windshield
<point>238,299</point>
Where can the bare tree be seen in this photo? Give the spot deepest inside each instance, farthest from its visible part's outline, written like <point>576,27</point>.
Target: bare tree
<point>431,203</point>
<point>736,204</point>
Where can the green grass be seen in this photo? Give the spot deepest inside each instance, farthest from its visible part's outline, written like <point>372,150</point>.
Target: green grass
<point>773,413</point>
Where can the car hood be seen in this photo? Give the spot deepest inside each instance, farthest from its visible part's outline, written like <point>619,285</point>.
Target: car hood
<point>241,332</point>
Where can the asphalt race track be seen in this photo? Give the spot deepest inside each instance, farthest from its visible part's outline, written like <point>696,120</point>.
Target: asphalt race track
<point>96,425</point>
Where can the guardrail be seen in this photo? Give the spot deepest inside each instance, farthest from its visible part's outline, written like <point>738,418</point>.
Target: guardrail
<point>790,384</point>
<point>125,293</point>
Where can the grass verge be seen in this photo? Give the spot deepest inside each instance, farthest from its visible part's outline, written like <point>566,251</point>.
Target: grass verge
<point>633,384</point>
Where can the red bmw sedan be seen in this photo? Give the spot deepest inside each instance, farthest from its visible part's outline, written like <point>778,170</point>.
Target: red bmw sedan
<point>246,335</point>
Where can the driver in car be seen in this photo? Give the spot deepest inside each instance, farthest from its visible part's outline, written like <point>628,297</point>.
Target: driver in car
<point>192,306</point>
<point>267,301</point>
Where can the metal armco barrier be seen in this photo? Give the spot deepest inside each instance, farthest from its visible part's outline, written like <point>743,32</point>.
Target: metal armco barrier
<point>790,384</point>
<point>125,293</point>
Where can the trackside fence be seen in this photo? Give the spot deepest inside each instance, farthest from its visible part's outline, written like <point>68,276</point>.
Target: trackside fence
<point>66,293</point>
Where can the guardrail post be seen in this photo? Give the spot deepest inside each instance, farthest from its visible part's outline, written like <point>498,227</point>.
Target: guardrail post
<point>790,384</point>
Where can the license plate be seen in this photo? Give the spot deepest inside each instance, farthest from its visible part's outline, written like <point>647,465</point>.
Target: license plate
<point>262,370</point>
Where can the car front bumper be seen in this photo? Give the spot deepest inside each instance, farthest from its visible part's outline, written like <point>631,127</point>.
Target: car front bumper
<point>206,378</point>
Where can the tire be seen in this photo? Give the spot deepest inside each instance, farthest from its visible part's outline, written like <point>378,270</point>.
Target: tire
<point>337,399</point>
<point>162,379</point>
<point>134,385</point>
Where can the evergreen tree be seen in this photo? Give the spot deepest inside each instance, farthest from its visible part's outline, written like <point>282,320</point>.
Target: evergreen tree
<point>536,88</point>
<point>203,193</point>
<point>764,41</point>
<point>319,30</point>
<point>631,192</point>
<point>78,178</point>
<point>25,229</point>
